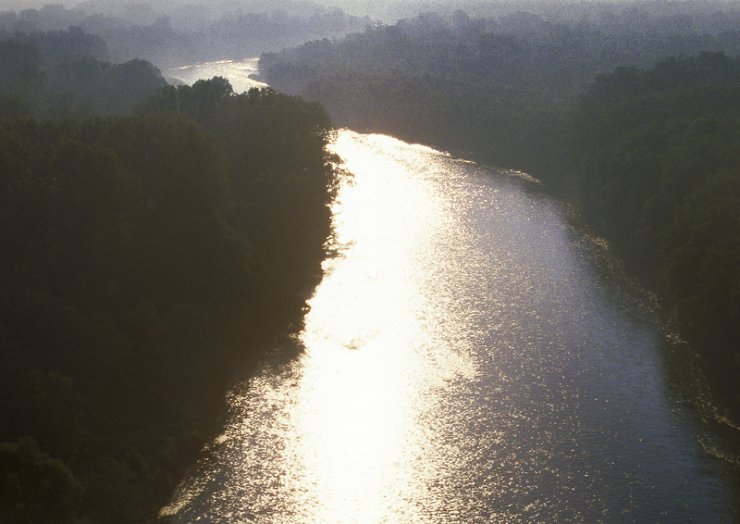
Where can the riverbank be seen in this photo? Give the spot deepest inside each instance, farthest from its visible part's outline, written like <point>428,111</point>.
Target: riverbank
<point>647,156</point>
<point>712,347</point>
<point>243,75</point>
<point>142,257</point>
<point>468,335</point>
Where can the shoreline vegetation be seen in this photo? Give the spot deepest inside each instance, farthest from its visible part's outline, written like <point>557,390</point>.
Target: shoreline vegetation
<point>637,125</point>
<point>147,243</point>
<point>152,235</point>
<point>169,35</point>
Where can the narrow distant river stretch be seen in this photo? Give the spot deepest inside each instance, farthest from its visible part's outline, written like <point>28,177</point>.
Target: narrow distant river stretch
<point>469,357</point>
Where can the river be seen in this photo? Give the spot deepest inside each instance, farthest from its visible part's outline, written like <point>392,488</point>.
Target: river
<point>470,356</point>
<point>241,74</point>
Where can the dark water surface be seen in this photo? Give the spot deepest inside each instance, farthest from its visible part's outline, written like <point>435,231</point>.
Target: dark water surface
<point>469,357</point>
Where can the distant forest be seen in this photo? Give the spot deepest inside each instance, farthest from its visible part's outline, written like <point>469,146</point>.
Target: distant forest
<point>150,236</point>
<point>191,33</point>
<point>632,112</point>
<point>65,74</point>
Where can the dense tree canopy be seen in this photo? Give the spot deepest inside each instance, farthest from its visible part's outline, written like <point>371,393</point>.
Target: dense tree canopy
<point>63,74</point>
<point>138,257</point>
<point>183,35</point>
<point>649,147</point>
<point>659,174</point>
<point>150,233</point>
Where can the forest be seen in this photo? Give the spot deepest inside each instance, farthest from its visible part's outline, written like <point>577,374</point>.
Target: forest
<point>66,74</point>
<point>171,36</point>
<point>636,123</point>
<point>153,236</point>
<point>497,88</point>
<point>150,237</point>
<point>657,171</point>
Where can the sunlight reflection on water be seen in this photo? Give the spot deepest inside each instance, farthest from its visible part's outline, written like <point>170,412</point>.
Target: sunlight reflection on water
<point>238,72</point>
<point>462,364</point>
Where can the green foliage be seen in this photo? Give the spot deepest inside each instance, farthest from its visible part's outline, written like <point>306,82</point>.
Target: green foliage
<point>138,256</point>
<point>650,154</point>
<point>61,74</point>
<point>462,88</point>
<point>172,35</point>
<point>88,87</point>
<point>14,108</point>
<point>500,89</point>
<point>35,488</point>
<point>279,175</point>
<point>660,152</point>
<point>20,63</point>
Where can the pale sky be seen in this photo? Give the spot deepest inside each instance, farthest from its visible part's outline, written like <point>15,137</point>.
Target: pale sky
<point>355,4</point>
<point>385,10</point>
<point>377,9</point>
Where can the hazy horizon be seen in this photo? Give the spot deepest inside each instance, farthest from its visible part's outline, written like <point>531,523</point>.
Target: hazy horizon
<point>360,7</point>
<point>377,8</point>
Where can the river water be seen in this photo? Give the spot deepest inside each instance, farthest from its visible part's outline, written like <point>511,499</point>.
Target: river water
<point>241,74</point>
<point>468,357</point>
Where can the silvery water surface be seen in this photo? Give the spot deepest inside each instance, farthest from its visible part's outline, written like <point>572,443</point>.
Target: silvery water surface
<point>240,73</point>
<point>468,357</point>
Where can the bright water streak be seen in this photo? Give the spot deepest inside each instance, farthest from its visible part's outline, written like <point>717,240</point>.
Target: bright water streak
<point>464,362</point>
<point>240,73</point>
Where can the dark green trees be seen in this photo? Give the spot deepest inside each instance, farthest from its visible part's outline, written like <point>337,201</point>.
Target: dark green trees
<point>280,177</point>
<point>651,155</point>
<point>659,175</point>
<point>62,74</point>
<point>138,257</point>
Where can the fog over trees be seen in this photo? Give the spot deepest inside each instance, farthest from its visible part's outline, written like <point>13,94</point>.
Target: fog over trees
<point>189,33</point>
<point>150,236</point>
<point>150,233</point>
<point>628,110</point>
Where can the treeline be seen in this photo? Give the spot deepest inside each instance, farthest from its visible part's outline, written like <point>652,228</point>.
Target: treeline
<point>141,255</point>
<point>65,74</point>
<point>658,173</point>
<point>707,16</point>
<point>190,33</point>
<point>497,88</point>
<point>649,151</point>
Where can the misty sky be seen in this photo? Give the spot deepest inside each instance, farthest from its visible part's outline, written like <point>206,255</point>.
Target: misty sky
<point>370,4</point>
<point>352,6</point>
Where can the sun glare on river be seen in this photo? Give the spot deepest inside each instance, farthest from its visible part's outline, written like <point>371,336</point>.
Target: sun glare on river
<point>462,363</point>
<point>347,427</point>
<point>356,430</point>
